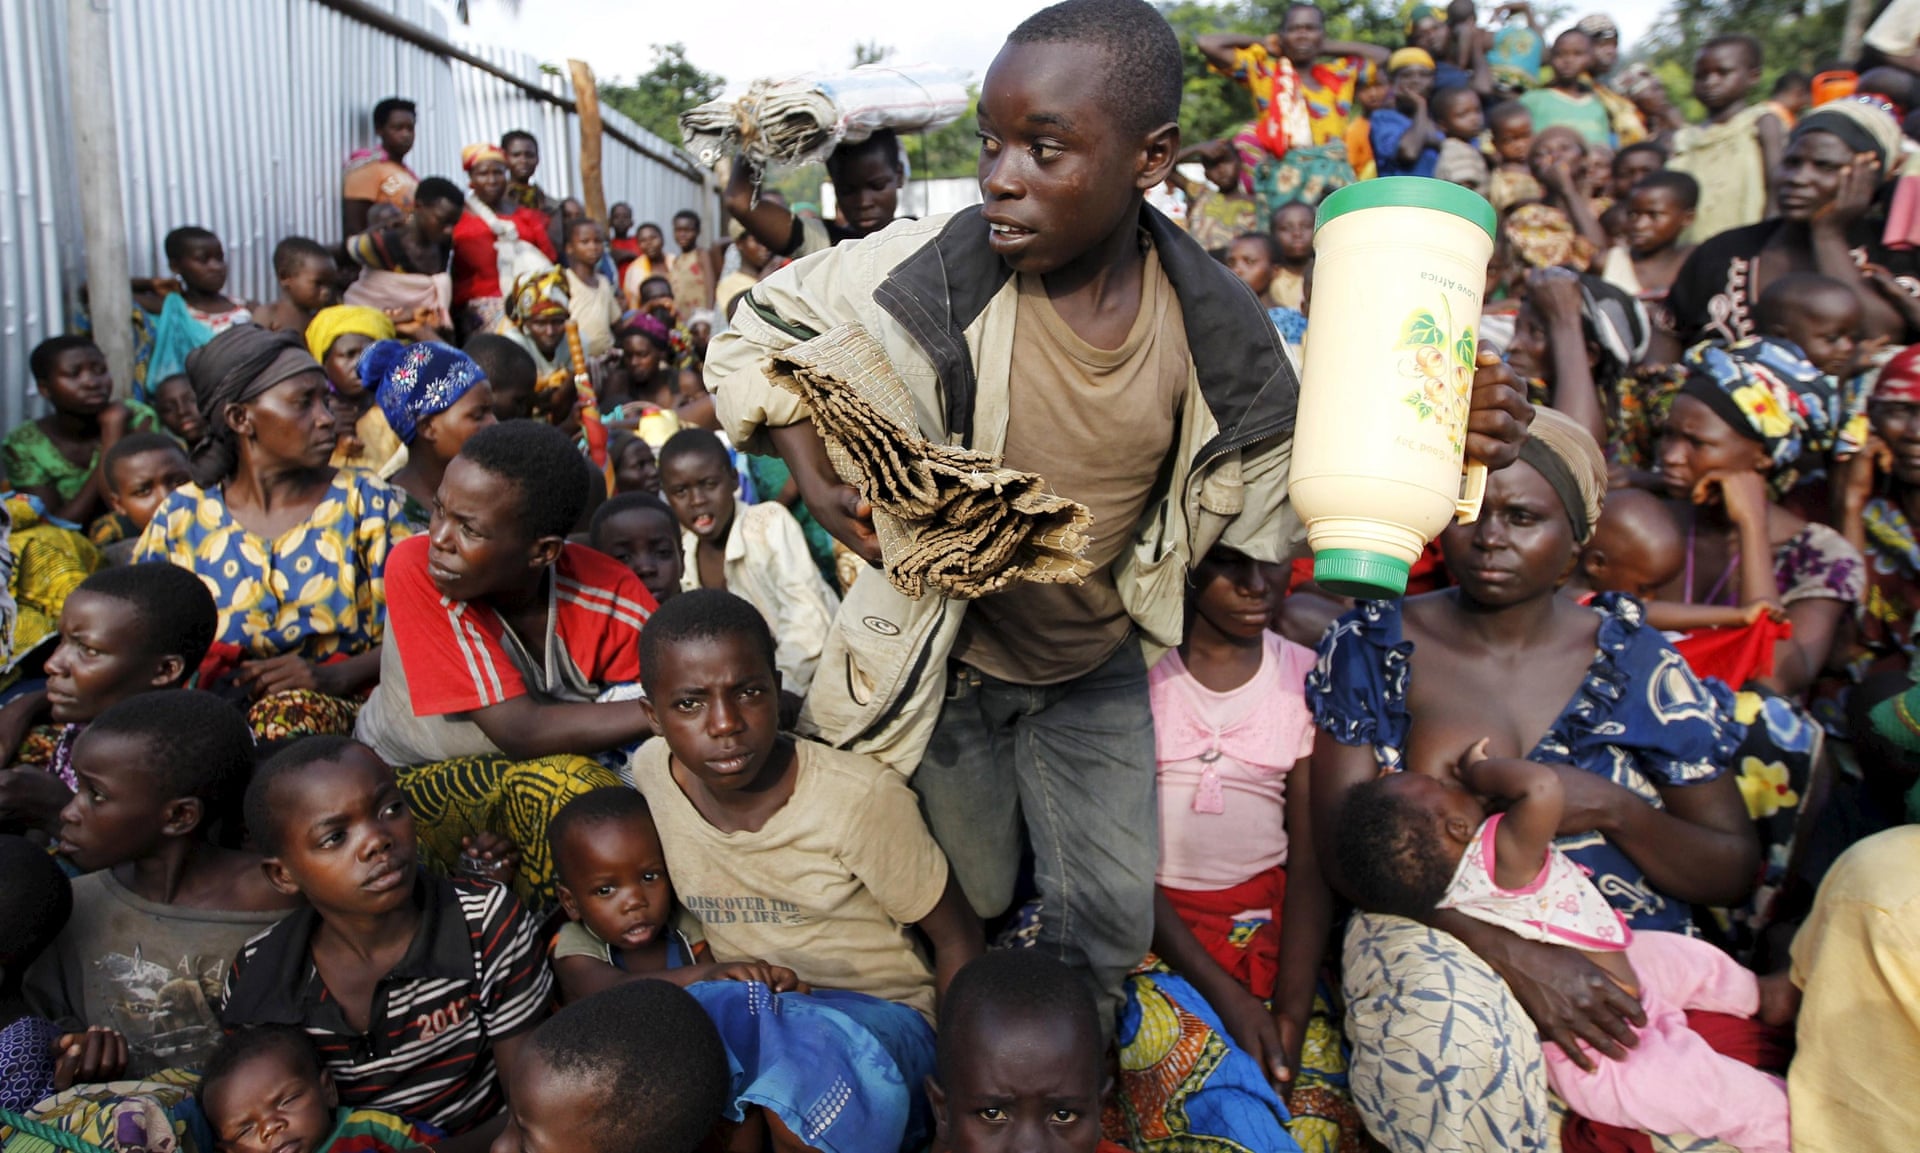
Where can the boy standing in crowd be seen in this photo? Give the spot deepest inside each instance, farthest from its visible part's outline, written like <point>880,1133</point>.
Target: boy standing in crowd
<point>1152,388</point>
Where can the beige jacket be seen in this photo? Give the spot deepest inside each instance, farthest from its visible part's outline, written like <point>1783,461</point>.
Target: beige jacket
<point>943,304</point>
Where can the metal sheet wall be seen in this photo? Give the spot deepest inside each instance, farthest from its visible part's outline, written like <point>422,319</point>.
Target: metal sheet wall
<point>236,115</point>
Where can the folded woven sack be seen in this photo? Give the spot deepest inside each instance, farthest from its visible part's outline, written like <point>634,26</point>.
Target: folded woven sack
<point>949,519</point>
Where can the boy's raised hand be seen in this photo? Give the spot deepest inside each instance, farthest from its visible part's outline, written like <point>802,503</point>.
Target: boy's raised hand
<point>99,1054</point>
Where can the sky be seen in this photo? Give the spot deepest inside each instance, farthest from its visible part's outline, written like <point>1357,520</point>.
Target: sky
<point>746,39</point>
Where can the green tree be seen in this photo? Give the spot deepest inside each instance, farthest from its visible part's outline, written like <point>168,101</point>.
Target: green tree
<point>656,98</point>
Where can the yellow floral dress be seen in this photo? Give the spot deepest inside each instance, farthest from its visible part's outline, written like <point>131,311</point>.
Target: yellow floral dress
<point>318,589</point>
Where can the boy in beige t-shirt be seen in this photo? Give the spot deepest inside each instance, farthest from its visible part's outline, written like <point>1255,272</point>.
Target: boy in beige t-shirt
<point>791,852</point>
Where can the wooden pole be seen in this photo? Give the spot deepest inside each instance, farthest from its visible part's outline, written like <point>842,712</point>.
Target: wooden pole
<point>1854,29</point>
<point>586,100</point>
<point>96,159</point>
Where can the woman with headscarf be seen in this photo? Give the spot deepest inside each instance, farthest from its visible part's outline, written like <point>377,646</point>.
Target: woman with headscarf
<point>536,319</point>
<point>496,241</point>
<point>293,549</point>
<point>1876,506</point>
<point>1296,148</point>
<point>1736,435</point>
<point>1641,749</point>
<point>1832,218</point>
<point>337,338</point>
<point>434,397</point>
<point>1577,341</point>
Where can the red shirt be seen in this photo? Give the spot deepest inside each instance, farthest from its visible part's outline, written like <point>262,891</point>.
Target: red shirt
<point>455,652</point>
<point>476,263</point>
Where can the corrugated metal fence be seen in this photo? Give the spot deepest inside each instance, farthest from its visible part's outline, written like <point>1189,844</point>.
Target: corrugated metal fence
<point>236,115</point>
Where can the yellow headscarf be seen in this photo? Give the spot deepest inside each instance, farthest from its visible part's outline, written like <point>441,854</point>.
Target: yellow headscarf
<point>537,294</point>
<point>1409,58</point>
<point>330,324</point>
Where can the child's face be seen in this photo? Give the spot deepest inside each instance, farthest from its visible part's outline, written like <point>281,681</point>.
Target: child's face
<point>269,1103</point>
<point>343,363</point>
<point>1599,169</point>
<point>202,267</point>
<point>584,244</point>
<point>1293,228</point>
<point>620,219</point>
<point>717,702</point>
<point>546,331</point>
<point>1373,97</point>
<point>1223,171</point>
<point>1554,147</point>
<point>1655,220</point>
<point>1057,172</point>
<point>1411,82</point>
<point>1252,262</point>
<point>1026,1083</point>
<point>636,469</point>
<point>1824,325</point>
<point>448,431</point>
<point>613,879</point>
<point>649,545</point>
<point>701,334</point>
<point>179,410</point>
<point>78,383</point>
<point>1723,75</point>
<point>1630,168</point>
<point>1572,57</point>
<point>142,481</point>
<point>347,838</point>
<point>699,488</point>
<point>867,189</point>
<point>523,158</point>
<point>652,245</point>
<point>1233,595</point>
<point>686,232</point>
<point>1462,118</point>
<point>102,659</point>
<point>118,812</point>
<point>1513,138</point>
<point>477,545</point>
<point>313,284</point>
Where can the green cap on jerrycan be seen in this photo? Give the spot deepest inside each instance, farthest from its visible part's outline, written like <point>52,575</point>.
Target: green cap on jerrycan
<point>1409,192</point>
<point>1356,572</point>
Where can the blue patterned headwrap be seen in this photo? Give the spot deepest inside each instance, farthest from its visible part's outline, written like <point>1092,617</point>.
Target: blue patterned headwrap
<point>414,381</point>
<point>1768,391</point>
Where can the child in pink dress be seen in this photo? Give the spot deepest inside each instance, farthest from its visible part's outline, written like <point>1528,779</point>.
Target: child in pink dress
<point>1409,844</point>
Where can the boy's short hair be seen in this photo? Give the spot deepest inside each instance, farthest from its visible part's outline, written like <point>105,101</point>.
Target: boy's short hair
<point>1441,100</point>
<point>40,360</point>
<point>700,615</point>
<point>301,754</point>
<point>652,1058</point>
<point>596,807</point>
<point>1144,63</point>
<point>383,111</point>
<point>1264,239</point>
<point>438,190</point>
<point>1506,112</point>
<point>686,214</point>
<point>655,287</point>
<point>249,1041</point>
<point>290,253</point>
<point>176,613</point>
<point>695,442</point>
<point>175,244</point>
<point>1024,982</point>
<point>1685,188</point>
<point>579,222</point>
<point>624,503</point>
<point>1390,851</point>
<point>512,134</point>
<point>198,745</point>
<point>883,143</point>
<point>508,366</point>
<point>1756,54</point>
<point>1647,146</point>
<point>542,463</point>
<point>35,902</point>
<point>133,445</point>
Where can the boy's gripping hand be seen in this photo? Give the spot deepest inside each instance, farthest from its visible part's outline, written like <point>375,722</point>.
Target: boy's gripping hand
<point>1498,412</point>
<point>99,1054</point>
<point>488,856</point>
<point>834,503</point>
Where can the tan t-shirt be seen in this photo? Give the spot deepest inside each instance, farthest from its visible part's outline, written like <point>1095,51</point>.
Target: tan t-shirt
<point>1097,423</point>
<point>827,887</point>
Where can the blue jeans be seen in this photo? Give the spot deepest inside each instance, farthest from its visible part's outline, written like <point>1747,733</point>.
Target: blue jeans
<point>1069,769</point>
